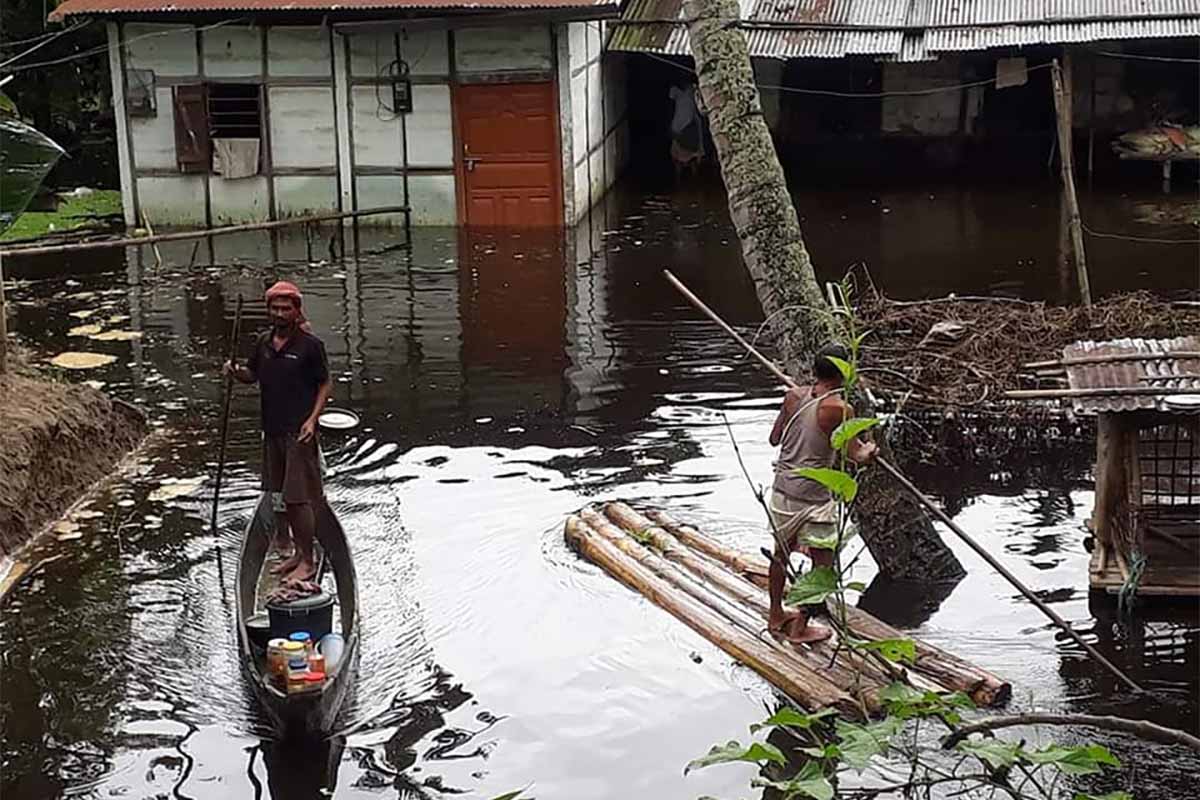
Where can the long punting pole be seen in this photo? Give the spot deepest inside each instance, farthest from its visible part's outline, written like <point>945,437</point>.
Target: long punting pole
<point>916,493</point>
<point>233,344</point>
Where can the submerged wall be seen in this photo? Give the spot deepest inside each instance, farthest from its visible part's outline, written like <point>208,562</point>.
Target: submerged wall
<point>332,139</point>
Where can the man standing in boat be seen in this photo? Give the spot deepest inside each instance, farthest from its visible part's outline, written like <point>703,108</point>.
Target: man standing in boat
<point>292,371</point>
<point>801,507</point>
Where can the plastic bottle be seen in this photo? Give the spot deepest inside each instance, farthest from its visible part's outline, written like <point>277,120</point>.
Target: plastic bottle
<point>331,646</point>
<point>305,638</point>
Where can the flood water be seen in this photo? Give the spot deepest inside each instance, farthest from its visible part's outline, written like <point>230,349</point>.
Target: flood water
<point>504,381</point>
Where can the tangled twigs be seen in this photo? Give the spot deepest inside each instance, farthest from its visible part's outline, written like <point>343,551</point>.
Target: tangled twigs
<point>986,340</point>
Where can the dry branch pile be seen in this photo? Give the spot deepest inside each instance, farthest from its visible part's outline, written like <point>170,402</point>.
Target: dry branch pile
<point>963,353</point>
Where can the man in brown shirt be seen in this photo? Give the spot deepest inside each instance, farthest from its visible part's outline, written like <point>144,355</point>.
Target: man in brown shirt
<point>292,371</point>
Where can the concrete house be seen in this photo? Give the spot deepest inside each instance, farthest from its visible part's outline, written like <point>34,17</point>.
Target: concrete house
<point>491,112</point>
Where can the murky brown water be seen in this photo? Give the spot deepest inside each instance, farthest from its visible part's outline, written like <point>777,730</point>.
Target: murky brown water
<point>504,381</point>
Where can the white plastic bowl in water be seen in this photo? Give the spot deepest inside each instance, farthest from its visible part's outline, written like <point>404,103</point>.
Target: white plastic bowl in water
<point>338,419</point>
<point>1183,402</point>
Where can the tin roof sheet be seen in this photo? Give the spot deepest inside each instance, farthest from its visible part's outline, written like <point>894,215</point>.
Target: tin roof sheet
<point>105,7</point>
<point>910,30</point>
<point>1152,365</point>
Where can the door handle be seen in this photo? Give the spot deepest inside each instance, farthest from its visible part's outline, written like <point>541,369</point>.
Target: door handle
<point>469,163</point>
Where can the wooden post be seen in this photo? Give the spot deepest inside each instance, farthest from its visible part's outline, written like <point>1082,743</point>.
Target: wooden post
<point>1166,175</point>
<point>3,324</point>
<point>1061,78</point>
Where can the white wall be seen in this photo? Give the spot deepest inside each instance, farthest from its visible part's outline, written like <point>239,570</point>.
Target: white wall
<point>328,113</point>
<point>594,127</point>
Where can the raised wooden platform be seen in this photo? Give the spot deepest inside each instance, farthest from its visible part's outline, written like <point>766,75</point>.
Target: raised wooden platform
<point>1172,550</point>
<point>718,592</point>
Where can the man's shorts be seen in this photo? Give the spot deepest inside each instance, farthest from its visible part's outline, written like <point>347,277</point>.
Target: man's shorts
<point>291,470</point>
<point>794,520</point>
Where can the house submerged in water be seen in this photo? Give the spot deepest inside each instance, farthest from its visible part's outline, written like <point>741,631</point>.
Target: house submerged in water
<point>524,112</point>
<point>497,112</point>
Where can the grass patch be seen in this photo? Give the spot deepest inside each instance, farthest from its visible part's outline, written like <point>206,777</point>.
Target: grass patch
<point>73,214</point>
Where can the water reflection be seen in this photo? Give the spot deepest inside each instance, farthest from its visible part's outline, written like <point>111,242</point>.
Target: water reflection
<point>503,380</point>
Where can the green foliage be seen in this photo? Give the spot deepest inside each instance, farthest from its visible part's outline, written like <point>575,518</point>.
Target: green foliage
<point>846,432</point>
<point>1109,796</point>
<point>842,486</point>
<point>810,782</point>
<point>517,795</point>
<point>1085,759</point>
<point>833,541</point>
<point>994,752</point>
<point>905,702</point>
<point>860,743</point>
<point>849,373</point>
<point>756,752</point>
<point>788,717</point>
<point>7,106</point>
<point>73,213</point>
<point>856,586</point>
<point>813,587</point>
<point>894,650</point>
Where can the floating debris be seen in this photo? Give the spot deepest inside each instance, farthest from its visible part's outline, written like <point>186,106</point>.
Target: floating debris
<point>84,313</point>
<point>85,330</point>
<point>116,336</point>
<point>171,489</point>
<point>66,530</point>
<point>74,360</point>
<point>115,318</point>
<point>87,514</point>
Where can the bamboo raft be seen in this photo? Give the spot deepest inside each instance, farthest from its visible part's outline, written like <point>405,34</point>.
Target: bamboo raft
<point>719,593</point>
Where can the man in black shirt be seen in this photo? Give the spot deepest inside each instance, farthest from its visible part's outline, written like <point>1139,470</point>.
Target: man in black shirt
<point>291,369</point>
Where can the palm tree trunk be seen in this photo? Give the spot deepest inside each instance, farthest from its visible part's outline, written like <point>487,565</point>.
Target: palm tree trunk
<point>904,544</point>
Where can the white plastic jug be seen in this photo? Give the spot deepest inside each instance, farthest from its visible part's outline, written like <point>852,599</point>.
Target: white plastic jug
<point>331,646</point>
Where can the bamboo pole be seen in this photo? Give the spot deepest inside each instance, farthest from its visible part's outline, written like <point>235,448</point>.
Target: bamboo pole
<point>1112,357</point>
<point>767,660</point>
<point>134,241</point>
<point>936,664</point>
<point>1060,76</point>
<point>1099,391</point>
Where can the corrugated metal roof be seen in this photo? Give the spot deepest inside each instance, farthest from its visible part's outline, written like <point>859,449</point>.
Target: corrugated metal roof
<point>1153,366</point>
<point>101,7</point>
<point>911,30</point>
<point>944,40</point>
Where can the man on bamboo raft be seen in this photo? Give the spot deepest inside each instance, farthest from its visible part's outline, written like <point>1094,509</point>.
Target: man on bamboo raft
<point>801,507</point>
<point>292,371</point>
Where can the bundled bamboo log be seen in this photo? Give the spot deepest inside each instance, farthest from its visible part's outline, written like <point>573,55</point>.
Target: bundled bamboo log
<point>812,665</point>
<point>934,663</point>
<point>768,661</point>
<point>845,667</point>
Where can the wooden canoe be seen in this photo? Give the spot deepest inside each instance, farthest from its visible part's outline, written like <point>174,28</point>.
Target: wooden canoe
<point>309,714</point>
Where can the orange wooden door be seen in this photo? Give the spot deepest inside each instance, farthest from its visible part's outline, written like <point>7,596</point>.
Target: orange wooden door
<point>509,165</point>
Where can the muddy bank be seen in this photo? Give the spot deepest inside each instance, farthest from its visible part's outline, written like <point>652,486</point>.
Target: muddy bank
<point>56,440</point>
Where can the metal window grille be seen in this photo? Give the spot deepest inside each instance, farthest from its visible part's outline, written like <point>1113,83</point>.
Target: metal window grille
<point>1169,465</point>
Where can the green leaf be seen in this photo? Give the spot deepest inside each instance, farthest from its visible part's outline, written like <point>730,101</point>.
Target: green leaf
<point>846,432</point>
<point>1085,759</point>
<point>856,586</point>
<point>809,782</point>
<point>894,650</point>
<point>845,367</point>
<point>1109,796</point>
<point>994,752</point>
<point>813,587</point>
<point>517,795</point>
<point>906,702</point>
<point>788,717</point>
<point>860,743</point>
<point>841,485</point>
<point>7,107</point>
<point>830,751</point>
<point>732,751</point>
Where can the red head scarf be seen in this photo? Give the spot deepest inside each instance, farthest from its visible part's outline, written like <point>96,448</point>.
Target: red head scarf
<point>288,289</point>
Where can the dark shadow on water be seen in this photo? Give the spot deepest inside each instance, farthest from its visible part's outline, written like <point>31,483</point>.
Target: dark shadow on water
<point>904,604</point>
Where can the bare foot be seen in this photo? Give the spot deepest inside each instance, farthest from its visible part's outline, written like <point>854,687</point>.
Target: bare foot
<point>796,629</point>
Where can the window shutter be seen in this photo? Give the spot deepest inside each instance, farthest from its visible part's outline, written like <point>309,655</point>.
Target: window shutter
<point>192,147</point>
